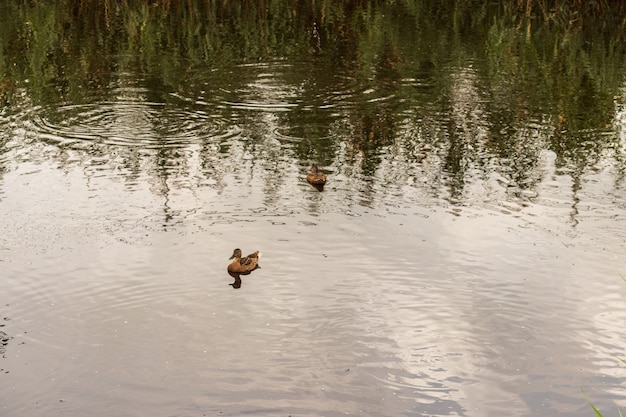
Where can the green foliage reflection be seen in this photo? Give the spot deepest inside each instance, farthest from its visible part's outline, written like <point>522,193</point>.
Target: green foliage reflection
<point>559,63</point>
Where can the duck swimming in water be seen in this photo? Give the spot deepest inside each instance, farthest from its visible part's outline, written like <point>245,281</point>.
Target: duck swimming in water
<point>315,177</point>
<point>244,265</point>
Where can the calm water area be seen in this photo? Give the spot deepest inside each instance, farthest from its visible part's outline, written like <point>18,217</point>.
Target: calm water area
<point>465,258</point>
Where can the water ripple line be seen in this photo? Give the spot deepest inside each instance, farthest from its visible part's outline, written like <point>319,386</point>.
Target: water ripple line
<point>128,124</point>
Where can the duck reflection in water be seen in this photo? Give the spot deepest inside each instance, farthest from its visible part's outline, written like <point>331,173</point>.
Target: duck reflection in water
<point>241,265</point>
<point>237,283</point>
<point>316,178</point>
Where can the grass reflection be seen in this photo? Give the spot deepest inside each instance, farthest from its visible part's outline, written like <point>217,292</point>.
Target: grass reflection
<point>406,82</point>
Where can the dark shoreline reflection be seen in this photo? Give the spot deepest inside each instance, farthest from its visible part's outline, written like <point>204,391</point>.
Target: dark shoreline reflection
<point>365,100</point>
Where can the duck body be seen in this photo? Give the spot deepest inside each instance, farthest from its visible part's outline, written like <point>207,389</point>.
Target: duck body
<point>243,265</point>
<point>315,176</point>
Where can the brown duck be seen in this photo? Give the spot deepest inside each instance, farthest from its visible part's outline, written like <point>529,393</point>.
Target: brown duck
<point>244,265</point>
<point>316,177</point>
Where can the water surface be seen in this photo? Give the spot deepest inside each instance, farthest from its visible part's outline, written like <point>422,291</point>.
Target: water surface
<point>465,258</point>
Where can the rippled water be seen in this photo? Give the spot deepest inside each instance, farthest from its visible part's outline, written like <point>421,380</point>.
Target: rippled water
<point>404,288</point>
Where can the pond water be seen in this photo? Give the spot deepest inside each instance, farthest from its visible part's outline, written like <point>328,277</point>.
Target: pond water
<point>466,256</point>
